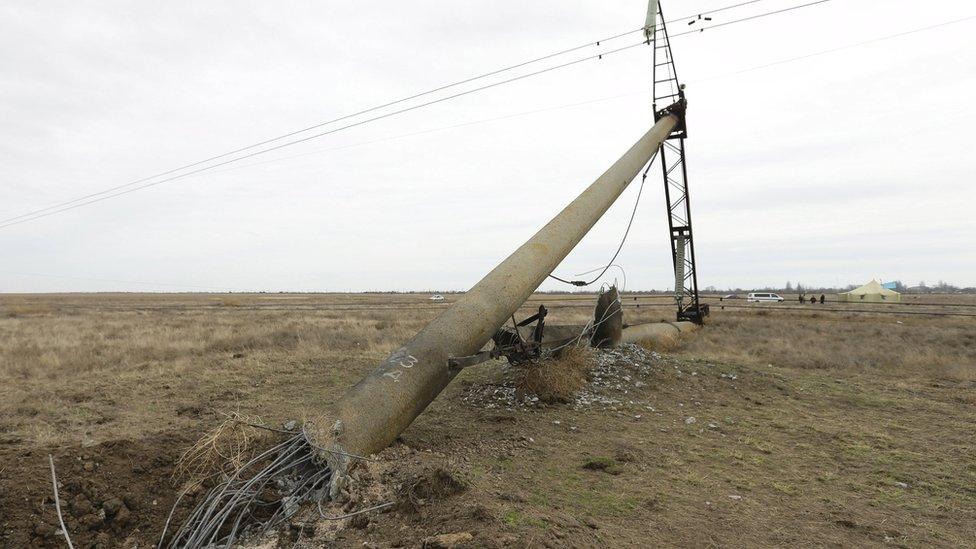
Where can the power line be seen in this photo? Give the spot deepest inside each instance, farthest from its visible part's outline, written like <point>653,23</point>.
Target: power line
<point>91,199</point>
<point>602,99</point>
<point>432,130</point>
<point>840,48</point>
<point>633,213</point>
<point>332,121</point>
<point>709,12</point>
<point>3,222</point>
<point>750,18</point>
<point>317,135</point>
<point>591,101</point>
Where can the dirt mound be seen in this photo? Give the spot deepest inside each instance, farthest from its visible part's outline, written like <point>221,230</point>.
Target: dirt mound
<point>400,487</point>
<point>113,494</point>
<point>431,482</point>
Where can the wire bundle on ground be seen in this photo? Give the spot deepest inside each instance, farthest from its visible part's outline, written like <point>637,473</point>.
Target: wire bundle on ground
<point>259,495</point>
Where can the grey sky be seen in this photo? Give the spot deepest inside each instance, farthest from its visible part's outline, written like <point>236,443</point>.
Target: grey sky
<point>828,170</point>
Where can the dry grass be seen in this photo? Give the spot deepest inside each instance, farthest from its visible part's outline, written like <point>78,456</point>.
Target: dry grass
<point>556,380</point>
<point>223,449</point>
<point>115,366</point>
<point>819,418</point>
<point>101,366</point>
<point>926,347</point>
<point>15,311</point>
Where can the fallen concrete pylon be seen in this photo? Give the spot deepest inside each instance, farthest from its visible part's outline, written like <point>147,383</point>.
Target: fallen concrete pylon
<point>656,332</point>
<point>377,409</point>
<point>381,405</point>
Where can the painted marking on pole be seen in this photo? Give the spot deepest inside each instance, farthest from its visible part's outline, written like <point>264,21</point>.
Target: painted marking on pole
<point>399,359</point>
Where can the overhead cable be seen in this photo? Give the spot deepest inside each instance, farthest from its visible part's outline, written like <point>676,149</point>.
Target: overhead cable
<point>70,206</point>
<point>598,42</point>
<point>147,182</point>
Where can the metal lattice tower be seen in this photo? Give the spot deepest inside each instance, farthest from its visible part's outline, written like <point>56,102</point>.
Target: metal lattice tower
<point>669,92</point>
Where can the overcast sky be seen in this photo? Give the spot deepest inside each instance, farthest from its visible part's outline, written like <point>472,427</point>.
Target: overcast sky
<point>829,170</point>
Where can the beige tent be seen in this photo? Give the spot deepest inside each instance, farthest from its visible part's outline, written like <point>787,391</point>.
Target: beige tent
<point>872,292</point>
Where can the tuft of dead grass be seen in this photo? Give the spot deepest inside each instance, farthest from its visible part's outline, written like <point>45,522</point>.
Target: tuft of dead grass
<point>556,380</point>
<point>224,448</point>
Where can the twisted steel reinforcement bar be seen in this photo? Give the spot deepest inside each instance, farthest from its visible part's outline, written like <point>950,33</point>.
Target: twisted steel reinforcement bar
<point>378,408</point>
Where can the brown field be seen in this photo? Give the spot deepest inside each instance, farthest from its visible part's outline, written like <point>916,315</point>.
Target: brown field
<point>821,425</point>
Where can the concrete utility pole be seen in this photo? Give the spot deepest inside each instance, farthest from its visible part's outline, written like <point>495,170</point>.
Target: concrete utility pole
<point>655,331</point>
<point>378,408</point>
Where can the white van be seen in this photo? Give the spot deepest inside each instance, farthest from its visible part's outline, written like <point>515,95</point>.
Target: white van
<point>757,297</point>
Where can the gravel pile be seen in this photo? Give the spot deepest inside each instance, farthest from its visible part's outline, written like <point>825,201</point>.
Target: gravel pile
<point>614,374</point>
<point>495,396</point>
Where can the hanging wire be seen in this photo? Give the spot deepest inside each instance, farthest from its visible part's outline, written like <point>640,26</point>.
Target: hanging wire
<point>622,240</point>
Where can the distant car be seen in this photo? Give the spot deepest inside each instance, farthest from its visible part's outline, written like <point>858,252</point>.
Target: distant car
<point>757,297</point>
<point>731,296</point>
<point>437,297</point>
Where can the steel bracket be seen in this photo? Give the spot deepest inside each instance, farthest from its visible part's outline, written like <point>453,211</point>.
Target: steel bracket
<point>461,362</point>
<point>508,343</point>
<point>676,109</point>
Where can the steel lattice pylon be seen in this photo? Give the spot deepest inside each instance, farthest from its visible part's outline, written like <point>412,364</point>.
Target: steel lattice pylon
<point>668,91</point>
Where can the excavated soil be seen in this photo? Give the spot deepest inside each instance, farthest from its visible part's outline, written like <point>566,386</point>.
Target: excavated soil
<point>113,494</point>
